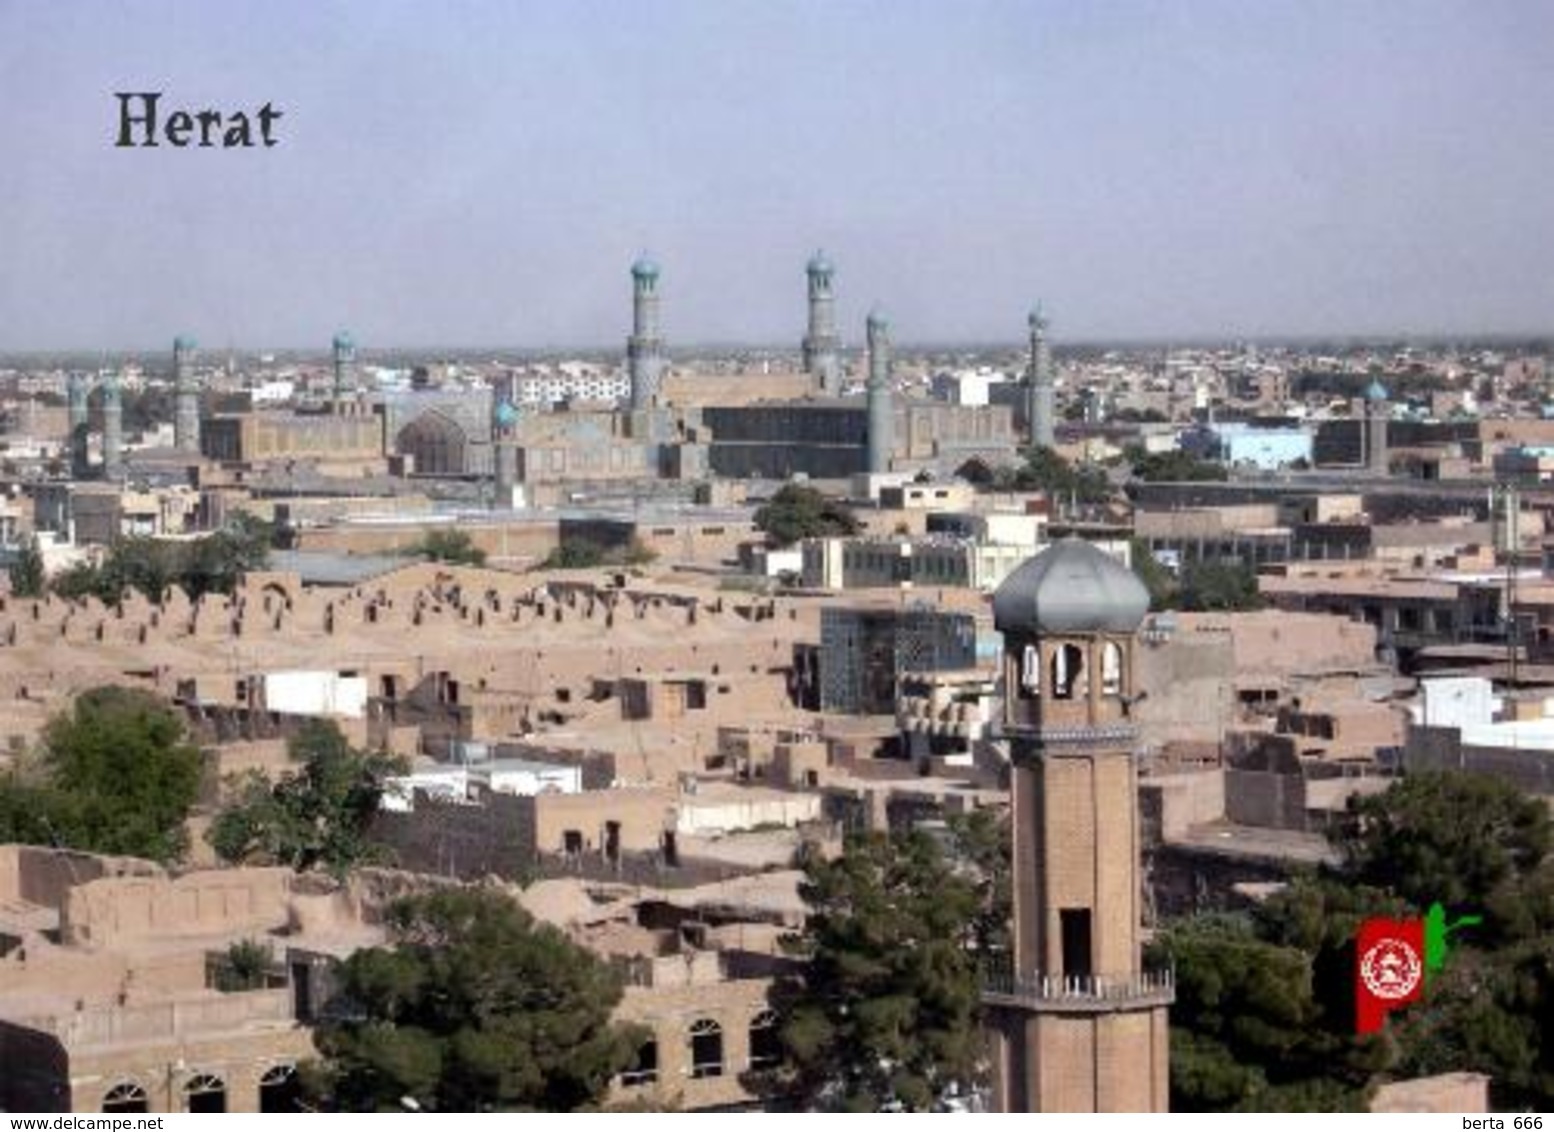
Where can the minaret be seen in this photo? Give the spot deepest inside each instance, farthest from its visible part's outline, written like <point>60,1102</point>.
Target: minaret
<point>345,368</point>
<point>882,421</point>
<point>186,397</point>
<point>1376,413</point>
<point>1078,1024</point>
<point>504,456</point>
<point>822,347</point>
<point>113,427</point>
<point>644,349</point>
<point>1038,390</point>
<point>78,390</point>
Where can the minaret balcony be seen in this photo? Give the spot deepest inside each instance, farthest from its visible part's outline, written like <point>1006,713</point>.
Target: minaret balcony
<point>1056,736</point>
<point>1080,994</point>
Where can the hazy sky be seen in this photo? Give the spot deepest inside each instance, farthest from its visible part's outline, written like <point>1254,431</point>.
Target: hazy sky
<point>484,173</point>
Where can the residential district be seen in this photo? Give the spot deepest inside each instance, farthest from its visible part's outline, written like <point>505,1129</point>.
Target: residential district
<point>635,645</point>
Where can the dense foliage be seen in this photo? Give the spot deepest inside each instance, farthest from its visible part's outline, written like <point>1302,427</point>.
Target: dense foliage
<point>26,570</point>
<point>584,554</point>
<point>1263,1018</point>
<point>318,816</point>
<point>474,1007</point>
<point>211,564</point>
<point>884,1013</point>
<point>1175,466</point>
<point>448,545</point>
<point>799,511</point>
<point>116,774</point>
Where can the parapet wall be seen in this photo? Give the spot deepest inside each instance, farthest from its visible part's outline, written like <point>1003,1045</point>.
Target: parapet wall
<point>117,909</point>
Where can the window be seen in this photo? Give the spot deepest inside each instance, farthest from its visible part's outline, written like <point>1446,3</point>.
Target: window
<point>1075,926</point>
<point>1111,669</point>
<point>125,1097</point>
<point>644,1070</point>
<point>706,1048</point>
<point>1030,671</point>
<point>279,1090</point>
<point>205,1093</point>
<point>765,1041</point>
<point>1068,664</point>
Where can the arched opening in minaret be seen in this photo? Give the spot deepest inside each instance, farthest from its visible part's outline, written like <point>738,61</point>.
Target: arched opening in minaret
<point>1030,672</point>
<point>1068,665</point>
<point>1111,669</point>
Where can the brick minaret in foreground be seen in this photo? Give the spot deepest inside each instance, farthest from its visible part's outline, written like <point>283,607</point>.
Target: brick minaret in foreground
<point>1077,1023</point>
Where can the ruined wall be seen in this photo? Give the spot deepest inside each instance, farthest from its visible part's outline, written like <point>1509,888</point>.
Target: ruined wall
<point>113,911</point>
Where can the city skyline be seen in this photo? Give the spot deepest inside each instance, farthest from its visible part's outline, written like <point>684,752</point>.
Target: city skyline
<point>1199,173</point>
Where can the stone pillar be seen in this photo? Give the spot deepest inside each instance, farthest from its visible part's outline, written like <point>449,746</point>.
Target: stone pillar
<point>113,428</point>
<point>644,349</point>
<point>1039,406</point>
<point>186,397</point>
<point>882,421</point>
<point>822,347</point>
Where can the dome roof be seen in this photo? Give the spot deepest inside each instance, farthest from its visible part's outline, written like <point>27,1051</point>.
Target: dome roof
<point>644,268</point>
<point>819,264</point>
<point>183,342</point>
<point>506,414</point>
<point>1375,391</point>
<point>877,319</point>
<point>1071,587</point>
<point>343,341</point>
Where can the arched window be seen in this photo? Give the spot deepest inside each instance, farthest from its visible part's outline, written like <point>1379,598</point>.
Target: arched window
<point>1030,671</point>
<point>706,1048</point>
<point>644,1071</point>
<point>205,1093</point>
<point>1068,668</point>
<point>280,1090</point>
<point>1111,669</point>
<point>126,1096</point>
<point>765,1041</point>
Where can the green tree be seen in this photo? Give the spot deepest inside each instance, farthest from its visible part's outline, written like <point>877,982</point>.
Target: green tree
<point>475,1007</point>
<point>448,545</point>
<point>27,576</point>
<point>1175,466</point>
<point>1460,839</point>
<point>1219,587</point>
<point>885,1010</point>
<point>799,511</point>
<point>1044,470</point>
<point>1162,587</point>
<point>217,562</point>
<point>118,775</point>
<point>318,816</point>
<point>1249,1030</point>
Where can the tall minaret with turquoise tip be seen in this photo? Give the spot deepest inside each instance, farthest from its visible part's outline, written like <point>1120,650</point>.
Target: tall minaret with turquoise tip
<point>822,347</point>
<point>645,347</point>
<point>345,367</point>
<point>1038,390</point>
<point>186,397</point>
<point>113,427</point>
<point>882,421</point>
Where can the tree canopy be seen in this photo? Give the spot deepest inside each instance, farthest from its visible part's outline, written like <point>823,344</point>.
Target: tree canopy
<point>473,1007</point>
<point>210,564</point>
<point>799,511</point>
<point>1263,1018</point>
<point>884,1013</point>
<point>448,545</point>
<point>1175,466</point>
<point>26,570</point>
<point>317,816</point>
<point>115,774</point>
